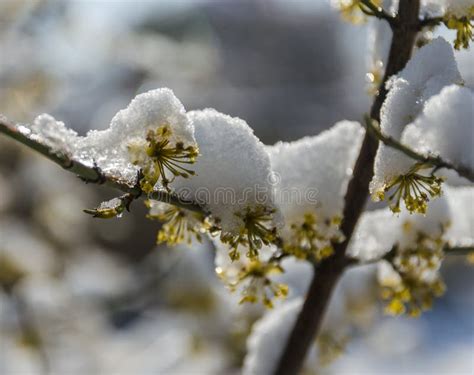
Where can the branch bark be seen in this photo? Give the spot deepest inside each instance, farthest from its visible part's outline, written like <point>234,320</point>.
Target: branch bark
<point>87,173</point>
<point>329,271</point>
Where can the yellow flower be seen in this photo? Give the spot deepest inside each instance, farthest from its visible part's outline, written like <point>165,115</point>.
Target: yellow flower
<point>179,225</point>
<point>257,230</point>
<point>312,238</point>
<point>413,188</point>
<point>256,285</point>
<point>161,156</point>
<point>416,291</point>
<point>463,26</point>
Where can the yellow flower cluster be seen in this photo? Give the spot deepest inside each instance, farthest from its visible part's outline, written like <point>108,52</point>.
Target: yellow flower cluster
<point>254,278</point>
<point>414,188</point>
<point>420,282</point>
<point>161,157</point>
<point>255,232</point>
<point>179,225</point>
<point>463,26</point>
<point>312,238</point>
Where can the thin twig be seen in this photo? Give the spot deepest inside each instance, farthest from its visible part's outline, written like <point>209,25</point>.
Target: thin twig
<point>88,173</point>
<point>369,8</point>
<point>435,161</point>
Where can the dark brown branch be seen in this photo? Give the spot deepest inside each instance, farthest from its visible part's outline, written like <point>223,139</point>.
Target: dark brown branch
<point>435,161</point>
<point>87,173</point>
<point>309,320</point>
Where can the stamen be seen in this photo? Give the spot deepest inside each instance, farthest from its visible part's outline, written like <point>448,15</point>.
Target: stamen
<point>255,233</point>
<point>414,189</point>
<point>160,157</point>
<point>254,278</point>
<point>312,238</point>
<point>179,225</point>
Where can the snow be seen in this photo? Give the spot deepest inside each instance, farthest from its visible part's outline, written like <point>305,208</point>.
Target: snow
<point>53,134</point>
<point>431,69</point>
<point>376,232</point>
<point>113,203</point>
<point>270,333</point>
<point>311,174</point>
<point>461,202</point>
<point>446,127</point>
<point>232,170</point>
<point>268,337</point>
<point>109,149</point>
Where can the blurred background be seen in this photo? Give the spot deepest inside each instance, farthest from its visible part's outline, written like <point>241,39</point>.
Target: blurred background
<point>80,295</point>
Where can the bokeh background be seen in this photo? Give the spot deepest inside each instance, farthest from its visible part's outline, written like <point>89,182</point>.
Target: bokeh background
<point>91,296</point>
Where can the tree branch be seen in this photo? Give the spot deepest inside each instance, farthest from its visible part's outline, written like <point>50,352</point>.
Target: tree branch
<point>87,173</point>
<point>307,325</point>
<point>435,161</point>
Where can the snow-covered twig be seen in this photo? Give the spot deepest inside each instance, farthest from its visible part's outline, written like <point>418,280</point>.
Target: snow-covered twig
<point>87,173</point>
<point>436,161</point>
